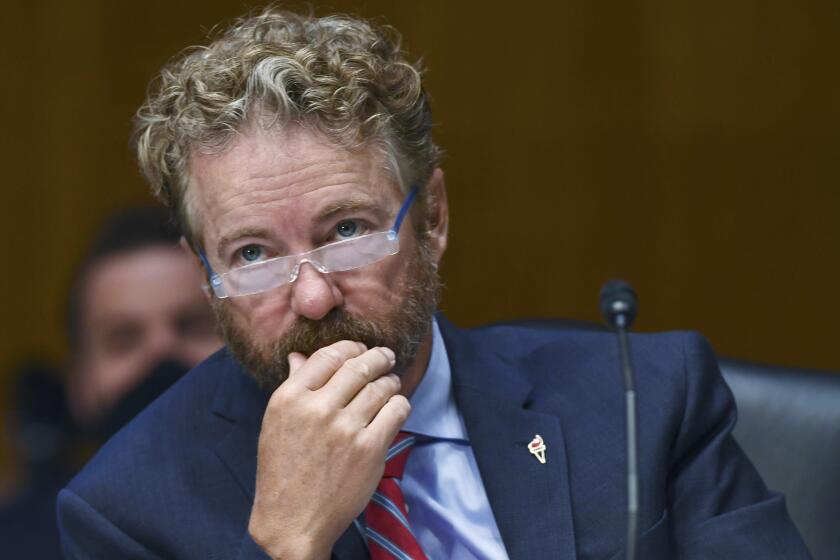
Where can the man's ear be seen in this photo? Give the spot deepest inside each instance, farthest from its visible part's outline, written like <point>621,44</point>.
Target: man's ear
<point>188,249</point>
<point>437,214</point>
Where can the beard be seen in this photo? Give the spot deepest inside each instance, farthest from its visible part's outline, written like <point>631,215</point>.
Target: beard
<point>402,328</point>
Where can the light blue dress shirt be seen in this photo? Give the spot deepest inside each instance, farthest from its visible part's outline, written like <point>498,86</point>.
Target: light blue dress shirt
<point>447,505</point>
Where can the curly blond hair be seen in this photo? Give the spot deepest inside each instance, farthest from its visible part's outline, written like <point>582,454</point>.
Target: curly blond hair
<point>339,76</point>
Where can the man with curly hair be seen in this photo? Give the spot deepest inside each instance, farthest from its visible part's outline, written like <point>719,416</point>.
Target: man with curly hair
<point>297,154</point>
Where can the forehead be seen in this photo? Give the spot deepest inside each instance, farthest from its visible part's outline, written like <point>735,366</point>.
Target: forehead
<point>282,176</point>
<point>141,284</point>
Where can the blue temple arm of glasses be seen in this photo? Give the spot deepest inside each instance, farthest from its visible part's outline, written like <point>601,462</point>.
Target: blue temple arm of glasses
<point>404,210</point>
<point>211,275</point>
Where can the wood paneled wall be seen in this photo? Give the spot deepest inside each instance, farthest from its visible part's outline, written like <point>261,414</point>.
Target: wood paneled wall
<point>691,148</point>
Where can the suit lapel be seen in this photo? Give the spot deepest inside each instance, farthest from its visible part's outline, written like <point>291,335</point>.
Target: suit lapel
<point>242,404</point>
<point>531,501</point>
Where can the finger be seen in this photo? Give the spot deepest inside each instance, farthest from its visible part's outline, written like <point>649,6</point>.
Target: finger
<point>370,400</point>
<point>296,360</point>
<point>388,421</point>
<point>324,362</point>
<point>357,372</point>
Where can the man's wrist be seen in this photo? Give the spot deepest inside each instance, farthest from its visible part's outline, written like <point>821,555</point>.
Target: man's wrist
<point>283,547</point>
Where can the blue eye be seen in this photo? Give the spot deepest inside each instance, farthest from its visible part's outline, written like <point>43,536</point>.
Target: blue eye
<point>346,228</point>
<point>250,253</point>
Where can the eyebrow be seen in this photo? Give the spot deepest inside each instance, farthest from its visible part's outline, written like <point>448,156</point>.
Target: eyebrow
<point>358,203</point>
<point>229,238</point>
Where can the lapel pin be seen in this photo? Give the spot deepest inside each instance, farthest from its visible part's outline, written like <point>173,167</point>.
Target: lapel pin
<point>537,448</point>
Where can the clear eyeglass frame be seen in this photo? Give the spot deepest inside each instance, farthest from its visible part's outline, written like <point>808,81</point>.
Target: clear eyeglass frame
<point>338,256</point>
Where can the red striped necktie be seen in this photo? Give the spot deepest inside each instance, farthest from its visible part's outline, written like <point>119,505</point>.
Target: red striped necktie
<point>386,517</point>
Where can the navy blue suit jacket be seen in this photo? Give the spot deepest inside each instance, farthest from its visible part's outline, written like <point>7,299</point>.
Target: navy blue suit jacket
<point>178,482</point>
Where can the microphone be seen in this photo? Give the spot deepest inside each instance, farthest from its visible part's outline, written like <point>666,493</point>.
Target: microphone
<point>618,306</point>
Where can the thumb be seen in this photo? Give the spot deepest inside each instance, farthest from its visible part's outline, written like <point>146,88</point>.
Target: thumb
<point>296,360</point>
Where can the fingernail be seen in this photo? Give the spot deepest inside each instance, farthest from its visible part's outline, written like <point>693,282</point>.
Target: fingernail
<point>389,353</point>
<point>362,346</point>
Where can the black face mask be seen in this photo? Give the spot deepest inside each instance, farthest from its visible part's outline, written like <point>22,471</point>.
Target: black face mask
<point>158,380</point>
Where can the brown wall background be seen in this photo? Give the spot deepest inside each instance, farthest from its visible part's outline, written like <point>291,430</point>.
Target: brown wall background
<point>689,147</point>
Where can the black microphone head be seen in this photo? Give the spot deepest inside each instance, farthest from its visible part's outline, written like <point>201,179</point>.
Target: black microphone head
<point>618,303</point>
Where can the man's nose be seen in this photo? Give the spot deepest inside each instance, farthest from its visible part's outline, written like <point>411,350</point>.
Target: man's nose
<point>313,293</point>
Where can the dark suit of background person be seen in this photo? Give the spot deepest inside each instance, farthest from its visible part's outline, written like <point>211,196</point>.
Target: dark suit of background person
<point>179,481</point>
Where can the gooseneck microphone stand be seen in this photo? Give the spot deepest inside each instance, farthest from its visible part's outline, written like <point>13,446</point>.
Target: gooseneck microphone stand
<point>618,306</point>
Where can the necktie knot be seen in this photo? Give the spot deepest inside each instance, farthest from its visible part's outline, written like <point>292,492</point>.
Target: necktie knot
<point>397,455</point>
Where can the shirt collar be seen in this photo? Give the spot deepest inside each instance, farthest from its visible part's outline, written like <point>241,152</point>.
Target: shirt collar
<point>433,410</point>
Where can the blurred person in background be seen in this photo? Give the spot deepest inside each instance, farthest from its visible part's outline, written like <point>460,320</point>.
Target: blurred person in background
<point>137,321</point>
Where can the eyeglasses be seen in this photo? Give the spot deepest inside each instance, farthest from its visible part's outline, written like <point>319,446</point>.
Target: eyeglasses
<point>339,256</point>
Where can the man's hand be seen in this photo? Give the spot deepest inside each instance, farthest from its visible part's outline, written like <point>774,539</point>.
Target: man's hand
<point>322,447</point>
